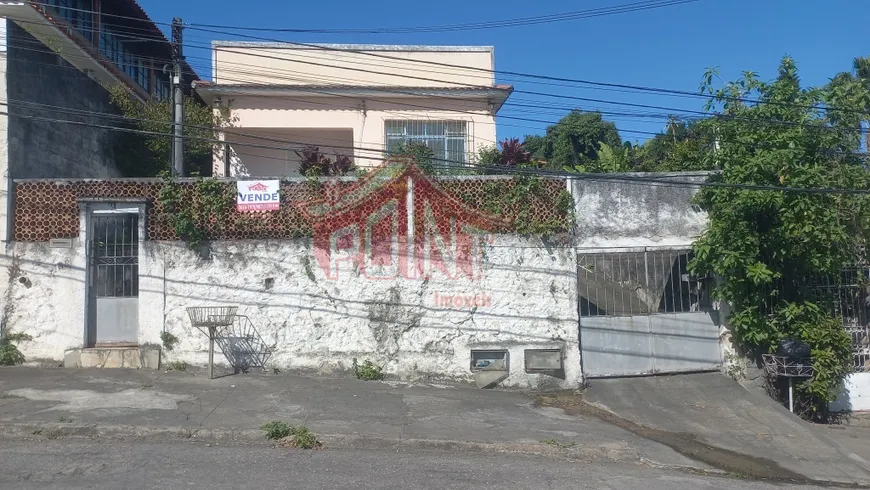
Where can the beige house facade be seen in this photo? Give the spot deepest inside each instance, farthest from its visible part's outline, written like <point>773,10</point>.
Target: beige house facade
<point>357,101</point>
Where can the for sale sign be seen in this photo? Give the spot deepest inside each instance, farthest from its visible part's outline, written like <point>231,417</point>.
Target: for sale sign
<point>258,195</point>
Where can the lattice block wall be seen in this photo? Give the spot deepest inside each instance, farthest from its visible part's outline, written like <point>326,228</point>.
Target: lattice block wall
<point>49,209</point>
<point>547,202</point>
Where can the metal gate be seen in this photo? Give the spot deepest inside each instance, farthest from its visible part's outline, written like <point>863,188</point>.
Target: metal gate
<point>642,313</point>
<point>113,273</point>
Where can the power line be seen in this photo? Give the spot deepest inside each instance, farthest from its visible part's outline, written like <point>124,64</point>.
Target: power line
<point>507,170</point>
<point>201,27</point>
<point>560,96</point>
<point>516,22</point>
<point>550,122</point>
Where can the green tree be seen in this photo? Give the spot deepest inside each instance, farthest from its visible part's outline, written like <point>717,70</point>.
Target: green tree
<point>610,160</point>
<point>147,155</point>
<point>683,146</point>
<point>765,245</point>
<point>575,140</point>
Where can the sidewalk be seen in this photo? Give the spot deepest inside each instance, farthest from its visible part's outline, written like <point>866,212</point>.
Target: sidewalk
<point>743,427</point>
<point>153,405</point>
<point>342,412</point>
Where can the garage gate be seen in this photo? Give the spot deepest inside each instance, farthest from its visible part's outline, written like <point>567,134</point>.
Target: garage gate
<point>642,313</point>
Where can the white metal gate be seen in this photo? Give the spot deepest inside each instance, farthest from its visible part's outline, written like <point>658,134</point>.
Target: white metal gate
<point>113,278</point>
<point>642,313</point>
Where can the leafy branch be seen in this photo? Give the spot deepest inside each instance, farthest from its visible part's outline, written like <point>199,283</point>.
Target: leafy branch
<point>196,211</point>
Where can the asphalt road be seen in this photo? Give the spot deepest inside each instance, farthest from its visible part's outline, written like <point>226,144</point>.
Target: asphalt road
<point>70,464</point>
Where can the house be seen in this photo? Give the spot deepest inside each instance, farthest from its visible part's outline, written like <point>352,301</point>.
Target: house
<point>58,57</point>
<point>351,100</point>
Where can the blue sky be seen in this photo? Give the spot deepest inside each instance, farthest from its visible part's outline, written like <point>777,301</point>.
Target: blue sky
<point>669,47</point>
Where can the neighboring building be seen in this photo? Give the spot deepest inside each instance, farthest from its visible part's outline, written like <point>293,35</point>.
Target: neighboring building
<point>57,57</point>
<point>351,100</point>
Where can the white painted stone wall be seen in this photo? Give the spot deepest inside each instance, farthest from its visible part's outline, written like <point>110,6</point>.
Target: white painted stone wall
<point>313,323</point>
<point>619,213</point>
<point>855,396</point>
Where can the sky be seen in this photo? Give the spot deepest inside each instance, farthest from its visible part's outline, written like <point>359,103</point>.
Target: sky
<point>669,47</point>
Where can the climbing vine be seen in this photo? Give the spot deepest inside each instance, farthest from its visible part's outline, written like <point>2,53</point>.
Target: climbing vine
<point>198,210</point>
<point>528,204</point>
<point>201,209</point>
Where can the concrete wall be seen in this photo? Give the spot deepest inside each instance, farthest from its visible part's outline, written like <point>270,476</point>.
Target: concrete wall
<point>39,82</point>
<point>620,213</point>
<point>855,396</point>
<point>313,323</point>
<point>286,64</point>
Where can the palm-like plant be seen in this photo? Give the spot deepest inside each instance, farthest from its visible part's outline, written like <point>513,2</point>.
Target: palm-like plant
<point>513,152</point>
<point>312,161</point>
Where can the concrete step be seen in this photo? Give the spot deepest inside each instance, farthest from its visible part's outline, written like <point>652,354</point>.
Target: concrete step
<point>113,357</point>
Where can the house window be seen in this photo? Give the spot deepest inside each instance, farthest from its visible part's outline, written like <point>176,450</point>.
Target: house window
<point>117,52</point>
<point>447,139</point>
<point>77,12</point>
<point>161,89</point>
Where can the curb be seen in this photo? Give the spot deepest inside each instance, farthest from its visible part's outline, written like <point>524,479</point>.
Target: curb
<point>53,431</point>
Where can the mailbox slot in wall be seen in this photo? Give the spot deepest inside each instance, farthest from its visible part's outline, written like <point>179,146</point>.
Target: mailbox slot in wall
<point>489,360</point>
<point>543,360</point>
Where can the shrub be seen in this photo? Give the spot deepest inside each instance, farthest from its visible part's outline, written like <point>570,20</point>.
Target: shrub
<point>290,435</point>
<point>9,353</point>
<point>169,340</point>
<point>369,371</point>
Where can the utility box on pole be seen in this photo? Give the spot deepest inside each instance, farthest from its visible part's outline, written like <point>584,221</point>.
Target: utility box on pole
<point>178,100</point>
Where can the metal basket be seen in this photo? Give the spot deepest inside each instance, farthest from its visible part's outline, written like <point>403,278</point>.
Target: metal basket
<point>787,366</point>
<point>212,316</point>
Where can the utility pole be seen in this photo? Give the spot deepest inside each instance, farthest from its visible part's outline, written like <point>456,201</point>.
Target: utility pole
<point>178,100</point>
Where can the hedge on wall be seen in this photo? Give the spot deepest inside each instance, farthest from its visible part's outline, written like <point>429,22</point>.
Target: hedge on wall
<point>204,209</point>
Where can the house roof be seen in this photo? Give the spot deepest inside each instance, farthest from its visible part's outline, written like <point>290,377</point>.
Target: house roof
<point>351,47</point>
<point>496,94</point>
<point>136,10</point>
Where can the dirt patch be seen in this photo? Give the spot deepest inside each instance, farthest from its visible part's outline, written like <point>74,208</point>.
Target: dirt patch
<point>734,463</point>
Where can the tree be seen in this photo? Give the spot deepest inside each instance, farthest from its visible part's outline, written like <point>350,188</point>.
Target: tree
<point>766,245</point>
<point>610,160</point>
<point>511,153</point>
<point>858,84</point>
<point>684,146</point>
<point>535,145</point>
<point>147,155</point>
<point>575,140</point>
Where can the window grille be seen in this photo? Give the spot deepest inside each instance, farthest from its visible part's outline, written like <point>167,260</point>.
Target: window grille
<point>446,139</point>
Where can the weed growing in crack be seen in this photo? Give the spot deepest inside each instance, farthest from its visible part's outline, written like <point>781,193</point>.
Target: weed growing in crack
<point>290,435</point>
<point>369,371</point>
<point>277,429</point>
<point>559,444</point>
<point>176,366</point>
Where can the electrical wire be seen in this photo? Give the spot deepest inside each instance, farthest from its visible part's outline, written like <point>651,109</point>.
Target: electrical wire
<point>547,122</point>
<point>561,96</point>
<point>500,169</point>
<point>212,30</point>
<point>516,22</point>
